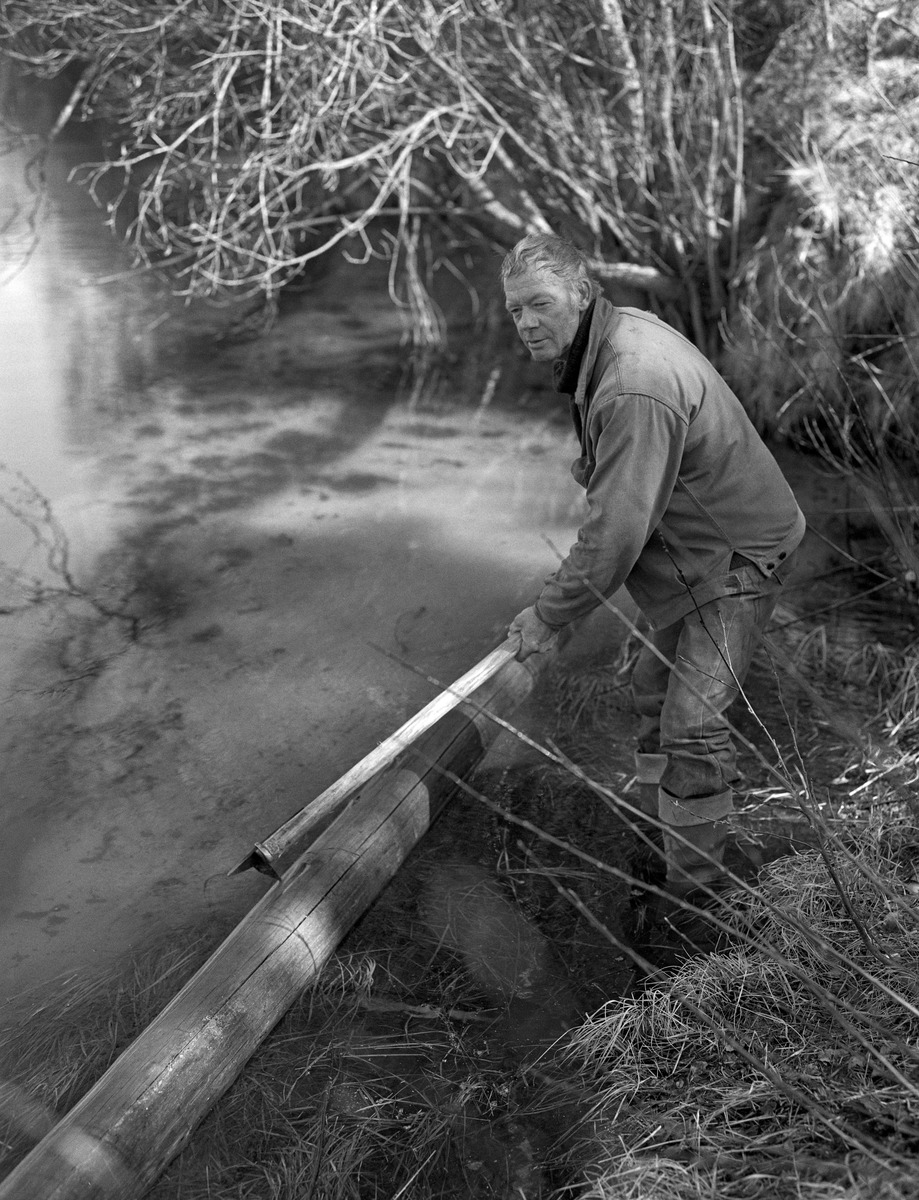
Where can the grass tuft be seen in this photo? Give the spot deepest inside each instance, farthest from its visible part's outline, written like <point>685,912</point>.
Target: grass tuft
<point>737,1078</point>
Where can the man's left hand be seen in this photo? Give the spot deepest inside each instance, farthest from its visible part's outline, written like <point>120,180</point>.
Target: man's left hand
<point>536,637</point>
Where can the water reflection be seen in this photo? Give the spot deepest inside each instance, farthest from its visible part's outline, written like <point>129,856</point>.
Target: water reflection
<point>61,342</point>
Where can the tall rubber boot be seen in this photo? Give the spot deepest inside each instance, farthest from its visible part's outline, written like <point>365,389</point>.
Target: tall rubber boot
<point>696,858</point>
<point>648,856</point>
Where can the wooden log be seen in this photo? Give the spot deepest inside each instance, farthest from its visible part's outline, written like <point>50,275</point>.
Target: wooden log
<point>279,848</point>
<point>118,1139</point>
<point>645,279</point>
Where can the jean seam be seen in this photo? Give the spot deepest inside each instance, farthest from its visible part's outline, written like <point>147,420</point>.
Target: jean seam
<point>706,693</point>
<point>706,706</point>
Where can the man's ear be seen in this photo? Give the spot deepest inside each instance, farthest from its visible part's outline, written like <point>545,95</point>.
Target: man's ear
<point>584,294</point>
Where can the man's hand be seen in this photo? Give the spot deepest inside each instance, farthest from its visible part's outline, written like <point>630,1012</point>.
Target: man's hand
<point>536,637</point>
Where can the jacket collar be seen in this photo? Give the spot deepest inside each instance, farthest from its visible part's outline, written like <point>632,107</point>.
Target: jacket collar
<point>567,369</point>
<point>605,320</point>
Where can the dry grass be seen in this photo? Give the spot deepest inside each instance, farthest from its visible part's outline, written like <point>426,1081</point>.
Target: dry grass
<point>58,1043</point>
<point>71,1034</point>
<point>360,1091</point>
<point>781,1071</point>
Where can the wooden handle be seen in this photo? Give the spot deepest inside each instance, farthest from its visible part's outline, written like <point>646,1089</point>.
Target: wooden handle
<point>326,802</point>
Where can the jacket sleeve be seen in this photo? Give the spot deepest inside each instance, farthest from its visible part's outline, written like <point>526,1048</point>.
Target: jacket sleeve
<point>638,442</point>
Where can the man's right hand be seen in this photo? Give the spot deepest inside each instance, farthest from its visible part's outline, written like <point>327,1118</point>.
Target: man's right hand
<point>536,637</point>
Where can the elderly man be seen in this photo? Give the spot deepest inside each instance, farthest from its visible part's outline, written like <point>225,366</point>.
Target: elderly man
<point>686,507</point>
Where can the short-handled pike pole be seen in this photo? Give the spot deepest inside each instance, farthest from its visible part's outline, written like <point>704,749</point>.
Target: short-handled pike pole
<point>275,848</point>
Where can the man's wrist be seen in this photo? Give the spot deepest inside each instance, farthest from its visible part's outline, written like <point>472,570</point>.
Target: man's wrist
<point>548,624</point>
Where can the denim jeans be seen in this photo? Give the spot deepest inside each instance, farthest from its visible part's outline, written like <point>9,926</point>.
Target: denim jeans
<point>683,706</point>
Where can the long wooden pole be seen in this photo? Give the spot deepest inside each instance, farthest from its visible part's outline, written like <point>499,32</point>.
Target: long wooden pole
<point>118,1139</point>
<point>275,853</point>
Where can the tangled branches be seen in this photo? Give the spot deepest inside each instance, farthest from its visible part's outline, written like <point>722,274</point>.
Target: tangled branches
<point>255,135</point>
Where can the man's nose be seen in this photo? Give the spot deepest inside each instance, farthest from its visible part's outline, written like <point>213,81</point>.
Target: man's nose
<point>529,320</point>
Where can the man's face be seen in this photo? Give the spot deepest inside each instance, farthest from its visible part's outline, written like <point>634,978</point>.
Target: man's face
<point>546,311</point>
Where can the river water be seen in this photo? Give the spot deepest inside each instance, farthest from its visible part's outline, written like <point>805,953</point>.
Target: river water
<point>269,516</point>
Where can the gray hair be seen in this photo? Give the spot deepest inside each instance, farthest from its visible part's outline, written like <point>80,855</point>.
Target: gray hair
<point>547,252</point>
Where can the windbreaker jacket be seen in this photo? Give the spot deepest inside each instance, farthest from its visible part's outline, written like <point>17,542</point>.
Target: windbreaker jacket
<point>677,478</point>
